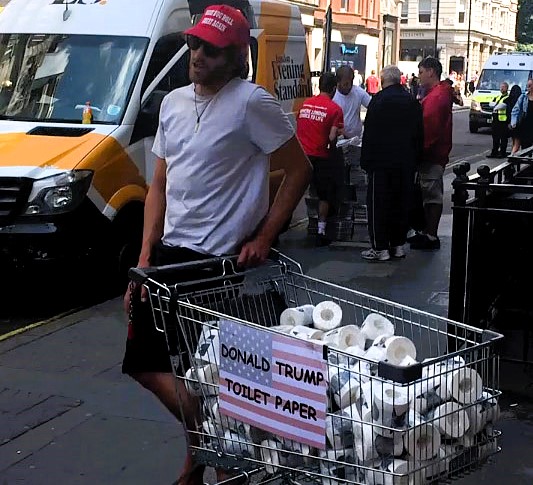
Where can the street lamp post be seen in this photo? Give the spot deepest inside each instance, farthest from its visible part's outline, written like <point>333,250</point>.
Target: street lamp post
<point>436,29</point>
<point>468,65</point>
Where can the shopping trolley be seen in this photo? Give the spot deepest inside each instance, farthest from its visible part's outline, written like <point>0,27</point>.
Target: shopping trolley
<point>348,415</point>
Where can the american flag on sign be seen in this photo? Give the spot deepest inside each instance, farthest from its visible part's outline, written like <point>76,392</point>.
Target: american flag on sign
<point>273,382</point>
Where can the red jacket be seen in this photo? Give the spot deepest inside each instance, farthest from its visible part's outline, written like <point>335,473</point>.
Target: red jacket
<point>438,124</point>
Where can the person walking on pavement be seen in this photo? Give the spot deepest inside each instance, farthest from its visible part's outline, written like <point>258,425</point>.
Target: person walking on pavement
<point>209,193</point>
<point>514,96</point>
<point>319,122</point>
<point>357,78</point>
<point>522,117</point>
<point>438,124</point>
<point>390,165</point>
<point>350,98</point>
<point>372,83</point>
<point>500,123</point>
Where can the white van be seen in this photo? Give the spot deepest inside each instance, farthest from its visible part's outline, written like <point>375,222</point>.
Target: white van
<point>513,68</point>
<point>67,189</point>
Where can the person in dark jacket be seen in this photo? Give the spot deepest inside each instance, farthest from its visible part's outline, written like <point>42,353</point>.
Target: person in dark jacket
<point>393,140</point>
<point>515,93</point>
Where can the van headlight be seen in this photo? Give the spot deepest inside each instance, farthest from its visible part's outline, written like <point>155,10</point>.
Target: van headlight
<point>58,194</point>
<point>474,105</point>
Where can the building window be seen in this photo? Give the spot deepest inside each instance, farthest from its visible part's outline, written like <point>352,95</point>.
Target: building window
<point>424,11</point>
<point>405,12</point>
<point>344,5</point>
<point>461,11</point>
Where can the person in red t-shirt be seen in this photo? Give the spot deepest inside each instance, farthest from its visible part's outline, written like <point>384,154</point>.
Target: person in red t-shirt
<point>372,83</point>
<point>437,110</point>
<point>319,122</point>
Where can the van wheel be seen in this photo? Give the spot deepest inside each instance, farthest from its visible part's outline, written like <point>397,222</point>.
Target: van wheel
<point>473,127</point>
<point>127,239</point>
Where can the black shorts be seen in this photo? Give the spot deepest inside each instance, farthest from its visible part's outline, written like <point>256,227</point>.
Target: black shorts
<point>327,178</point>
<point>146,347</point>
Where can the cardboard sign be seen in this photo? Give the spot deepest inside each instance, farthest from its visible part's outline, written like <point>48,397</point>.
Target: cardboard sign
<point>273,382</point>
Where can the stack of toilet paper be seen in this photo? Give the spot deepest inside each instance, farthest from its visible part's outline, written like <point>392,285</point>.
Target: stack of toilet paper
<point>379,428</point>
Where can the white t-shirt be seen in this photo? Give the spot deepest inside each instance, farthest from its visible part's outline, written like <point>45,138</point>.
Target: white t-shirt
<point>217,174</point>
<point>351,109</point>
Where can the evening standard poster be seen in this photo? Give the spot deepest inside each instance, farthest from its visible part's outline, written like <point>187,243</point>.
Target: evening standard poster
<point>273,382</point>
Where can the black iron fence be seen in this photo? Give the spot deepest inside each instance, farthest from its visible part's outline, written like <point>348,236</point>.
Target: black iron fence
<point>491,273</point>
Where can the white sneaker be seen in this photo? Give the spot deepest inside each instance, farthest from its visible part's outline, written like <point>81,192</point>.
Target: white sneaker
<point>373,255</point>
<point>397,252</point>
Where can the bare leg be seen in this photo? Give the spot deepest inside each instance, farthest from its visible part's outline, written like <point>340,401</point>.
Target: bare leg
<point>323,210</point>
<point>170,393</point>
<point>433,214</point>
<point>516,145</point>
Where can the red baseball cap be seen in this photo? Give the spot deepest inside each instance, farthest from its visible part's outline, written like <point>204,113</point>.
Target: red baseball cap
<point>222,26</point>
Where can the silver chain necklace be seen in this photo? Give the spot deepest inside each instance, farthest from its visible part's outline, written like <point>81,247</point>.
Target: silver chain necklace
<point>199,115</point>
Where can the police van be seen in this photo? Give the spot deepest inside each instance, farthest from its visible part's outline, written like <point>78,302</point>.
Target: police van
<point>513,68</point>
<point>81,83</point>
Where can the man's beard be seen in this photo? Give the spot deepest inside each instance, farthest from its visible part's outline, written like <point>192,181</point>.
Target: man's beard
<point>211,77</point>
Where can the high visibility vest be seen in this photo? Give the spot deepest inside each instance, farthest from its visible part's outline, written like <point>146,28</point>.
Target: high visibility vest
<point>502,113</point>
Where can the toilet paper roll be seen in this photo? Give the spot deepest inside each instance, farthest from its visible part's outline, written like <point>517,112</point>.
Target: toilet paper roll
<point>419,405</point>
<point>235,444</point>
<point>491,408</point>
<point>414,418</point>
<point>203,380</point>
<point>364,442</point>
<point>476,417</point>
<point>388,447</point>
<point>192,383</point>
<point>338,464</point>
<point>301,315</point>
<point>285,329</point>
<point>422,442</point>
<point>355,350</point>
<point>327,315</point>
<point>339,430</point>
<point>306,333</point>
<point>296,454</point>
<point>343,337</point>
<point>270,456</point>
<point>209,428</point>
<point>451,420</point>
<point>435,468</point>
<point>226,422</point>
<point>208,347</point>
<point>407,362</point>
<point>348,394</point>
<point>398,349</point>
<point>376,354</point>
<point>388,397</point>
<point>465,385</point>
<point>376,325</point>
<point>382,471</point>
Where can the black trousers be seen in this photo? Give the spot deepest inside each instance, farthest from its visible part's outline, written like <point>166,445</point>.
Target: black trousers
<point>389,197</point>
<point>500,137</point>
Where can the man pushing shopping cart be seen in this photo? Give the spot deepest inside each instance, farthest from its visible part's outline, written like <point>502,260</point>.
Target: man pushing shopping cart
<point>217,140</point>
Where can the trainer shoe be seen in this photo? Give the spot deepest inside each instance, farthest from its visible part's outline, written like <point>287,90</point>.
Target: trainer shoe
<point>397,252</point>
<point>322,240</point>
<point>426,244</point>
<point>414,236</point>
<point>373,255</point>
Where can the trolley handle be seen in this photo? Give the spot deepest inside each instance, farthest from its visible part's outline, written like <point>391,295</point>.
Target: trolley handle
<point>141,275</point>
<point>228,263</point>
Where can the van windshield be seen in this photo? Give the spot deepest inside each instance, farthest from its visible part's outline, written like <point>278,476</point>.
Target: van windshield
<point>52,76</point>
<point>492,78</point>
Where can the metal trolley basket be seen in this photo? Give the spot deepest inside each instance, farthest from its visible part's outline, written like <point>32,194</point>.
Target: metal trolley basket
<point>383,421</point>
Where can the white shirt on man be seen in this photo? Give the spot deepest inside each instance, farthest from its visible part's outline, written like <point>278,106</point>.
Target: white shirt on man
<point>217,171</point>
<point>351,109</point>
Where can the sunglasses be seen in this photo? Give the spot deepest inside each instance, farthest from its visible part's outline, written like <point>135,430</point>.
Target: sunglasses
<point>210,50</point>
